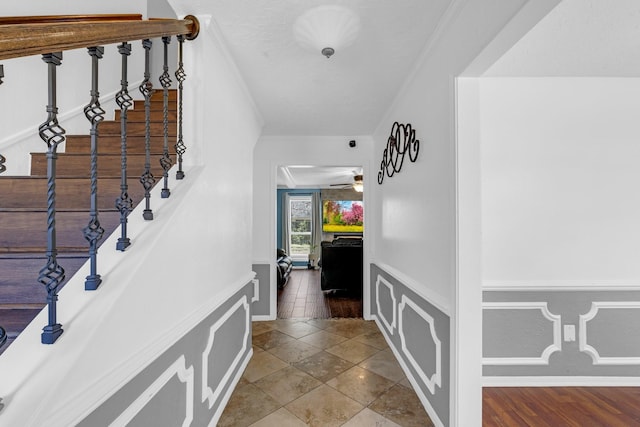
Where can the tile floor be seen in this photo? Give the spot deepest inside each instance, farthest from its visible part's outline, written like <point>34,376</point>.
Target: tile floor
<point>322,372</point>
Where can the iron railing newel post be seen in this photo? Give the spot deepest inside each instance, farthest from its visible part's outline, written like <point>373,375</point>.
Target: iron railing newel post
<point>93,232</point>
<point>124,203</point>
<point>165,82</point>
<point>52,274</point>
<point>180,77</point>
<point>146,88</point>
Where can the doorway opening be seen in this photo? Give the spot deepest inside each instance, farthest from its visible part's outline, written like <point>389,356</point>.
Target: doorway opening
<point>320,230</point>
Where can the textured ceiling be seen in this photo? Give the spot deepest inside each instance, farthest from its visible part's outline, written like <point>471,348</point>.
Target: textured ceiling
<point>582,38</point>
<point>317,176</point>
<point>299,91</point>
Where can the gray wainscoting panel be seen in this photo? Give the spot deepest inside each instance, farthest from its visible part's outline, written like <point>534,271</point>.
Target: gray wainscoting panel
<point>263,274</point>
<point>184,386</point>
<point>607,331</point>
<point>419,332</point>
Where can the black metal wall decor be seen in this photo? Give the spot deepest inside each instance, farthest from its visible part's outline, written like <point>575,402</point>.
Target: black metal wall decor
<point>402,141</point>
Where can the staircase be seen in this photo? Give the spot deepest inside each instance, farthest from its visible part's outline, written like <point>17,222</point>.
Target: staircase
<point>23,208</point>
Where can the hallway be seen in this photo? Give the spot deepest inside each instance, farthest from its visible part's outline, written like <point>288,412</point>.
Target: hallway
<point>322,372</point>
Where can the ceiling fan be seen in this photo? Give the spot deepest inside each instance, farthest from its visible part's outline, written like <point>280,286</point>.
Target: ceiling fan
<point>357,184</point>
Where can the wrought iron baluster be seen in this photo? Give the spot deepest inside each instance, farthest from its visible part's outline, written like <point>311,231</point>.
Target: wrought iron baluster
<point>124,204</point>
<point>52,274</point>
<point>3,339</point>
<point>180,76</point>
<point>165,81</point>
<point>93,232</point>
<point>146,88</point>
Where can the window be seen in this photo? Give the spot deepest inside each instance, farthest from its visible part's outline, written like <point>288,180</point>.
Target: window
<point>300,227</point>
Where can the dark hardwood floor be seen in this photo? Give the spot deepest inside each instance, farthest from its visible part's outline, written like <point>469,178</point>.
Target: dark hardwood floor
<point>561,406</point>
<point>302,298</point>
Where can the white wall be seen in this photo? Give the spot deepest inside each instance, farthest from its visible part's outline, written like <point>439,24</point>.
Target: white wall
<point>23,95</point>
<point>416,232</point>
<point>560,180</point>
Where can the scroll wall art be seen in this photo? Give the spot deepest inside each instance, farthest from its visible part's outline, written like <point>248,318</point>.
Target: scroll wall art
<point>402,141</point>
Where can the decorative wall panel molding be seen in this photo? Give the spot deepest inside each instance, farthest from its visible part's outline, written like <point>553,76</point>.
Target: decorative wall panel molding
<point>435,379</point>
<point>389,324</point>
<point>256,290</point>
<point>596,308</point>
<point>209,393</point>
<point>542,359</point>
<point>185,375</point>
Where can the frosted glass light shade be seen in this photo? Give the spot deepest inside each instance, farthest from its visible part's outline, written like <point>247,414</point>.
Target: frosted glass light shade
<point>328,26</point>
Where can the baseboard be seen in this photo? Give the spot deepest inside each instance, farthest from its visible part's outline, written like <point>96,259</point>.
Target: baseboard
<point>262,317</point>
<point>558,381</point>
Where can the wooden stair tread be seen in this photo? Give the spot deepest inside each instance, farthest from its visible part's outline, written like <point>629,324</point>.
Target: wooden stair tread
<point>139,116</point>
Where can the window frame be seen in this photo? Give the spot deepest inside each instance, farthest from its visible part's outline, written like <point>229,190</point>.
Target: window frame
<point>298,198</point>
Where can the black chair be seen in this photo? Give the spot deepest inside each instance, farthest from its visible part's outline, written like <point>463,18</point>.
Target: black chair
<point>341,262</point>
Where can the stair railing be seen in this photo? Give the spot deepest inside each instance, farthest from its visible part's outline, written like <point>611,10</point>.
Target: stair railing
<point>49,36</point>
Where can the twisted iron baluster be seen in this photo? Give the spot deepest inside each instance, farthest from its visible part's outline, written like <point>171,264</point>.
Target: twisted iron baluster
<point>146,88</point>
<point>3,339</point>
<point>180,76</point>
<point>93,232</point>
<point>52,274</point>
<point>124,204</point>
<point>165,81</point>
<point>2,158</point>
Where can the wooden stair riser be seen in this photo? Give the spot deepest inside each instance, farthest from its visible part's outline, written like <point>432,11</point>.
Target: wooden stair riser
<point>139,116</point>
<point>156,105</point>
<point>112,144</point>
<point>27,231</point>
<point>158,94</point>
<point>135,129</point>
<point>20,286</point>
<point>71,193</point>
<point>108,164</point>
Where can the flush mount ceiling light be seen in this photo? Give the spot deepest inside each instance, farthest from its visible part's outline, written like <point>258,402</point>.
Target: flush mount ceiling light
<point>327,28</point>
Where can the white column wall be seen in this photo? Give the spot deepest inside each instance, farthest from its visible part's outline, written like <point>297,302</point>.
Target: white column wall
<point>560,180</point>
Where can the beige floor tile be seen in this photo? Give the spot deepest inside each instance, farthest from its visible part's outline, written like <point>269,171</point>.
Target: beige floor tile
<point>258,328</point>
<point>348,328</point>
<point>368,418</point>
<point>319,323</point>
<point>261,365</point>
<point>294,351</point>
<point>324,407</point>
<point>296,329</point>
<point>360,385</point>
<point>374,339</point>
<point>287,384</point>
<point>323,365</point>
<point>247,405</point>
<point>353,351</point>
<point>271,339</point>
<point>402,406</point>
<point>323,339</point>
<point>384,363</point>
<point>280,418</point>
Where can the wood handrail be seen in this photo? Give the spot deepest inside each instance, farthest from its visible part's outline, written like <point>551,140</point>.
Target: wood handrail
<point>26,36</point>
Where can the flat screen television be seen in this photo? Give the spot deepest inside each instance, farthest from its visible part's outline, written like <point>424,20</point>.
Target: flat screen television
<point>342,216</point>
